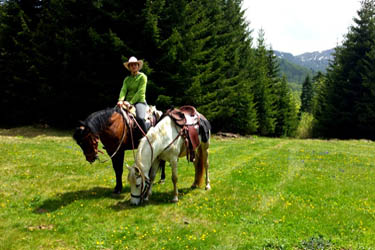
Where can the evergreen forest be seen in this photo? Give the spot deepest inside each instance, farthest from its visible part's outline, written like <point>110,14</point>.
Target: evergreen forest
<point>61,60</point>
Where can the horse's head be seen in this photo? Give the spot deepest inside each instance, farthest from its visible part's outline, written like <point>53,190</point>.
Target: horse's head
<point>88,142</point>
<point>139,185</point>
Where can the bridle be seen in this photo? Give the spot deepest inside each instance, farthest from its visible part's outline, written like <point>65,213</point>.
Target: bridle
<point>93,140</point>
<point>145,186</point>
<point>146,183</point>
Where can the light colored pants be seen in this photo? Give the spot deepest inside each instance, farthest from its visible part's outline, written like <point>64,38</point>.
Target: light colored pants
<point>140,112</point>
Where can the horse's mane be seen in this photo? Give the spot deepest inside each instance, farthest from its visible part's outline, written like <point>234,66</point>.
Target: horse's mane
<point>97,121</point>
<point>152,135</point>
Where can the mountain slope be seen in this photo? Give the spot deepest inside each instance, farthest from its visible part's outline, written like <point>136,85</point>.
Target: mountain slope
<point>316,61</point>
<point>296,68</point>
<point>293,72</point>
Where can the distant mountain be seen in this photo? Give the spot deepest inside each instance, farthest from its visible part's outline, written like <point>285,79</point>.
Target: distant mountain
<point>293,72</point>
<point>297,67</point>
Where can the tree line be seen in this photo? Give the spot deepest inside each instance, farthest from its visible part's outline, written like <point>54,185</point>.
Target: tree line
<point>61,60</point>
<point>342,101</point>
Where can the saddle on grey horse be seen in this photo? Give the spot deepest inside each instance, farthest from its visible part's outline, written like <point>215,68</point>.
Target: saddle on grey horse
<point>189,119</point>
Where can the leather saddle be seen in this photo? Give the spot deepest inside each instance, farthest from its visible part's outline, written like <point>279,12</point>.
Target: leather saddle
<point>152,116</point>
<point>188,118</point>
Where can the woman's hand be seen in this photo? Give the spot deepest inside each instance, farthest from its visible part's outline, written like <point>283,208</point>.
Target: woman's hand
<point>127,105</point>
<point>124,104</point>
<point>120,103</point>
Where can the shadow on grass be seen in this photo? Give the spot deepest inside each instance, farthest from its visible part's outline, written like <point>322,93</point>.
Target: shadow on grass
<point>64,199</point>
<point>34,131</point>
<point>156,199</point>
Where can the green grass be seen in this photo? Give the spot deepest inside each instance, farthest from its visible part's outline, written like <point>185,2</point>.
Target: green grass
<point>266,194</point>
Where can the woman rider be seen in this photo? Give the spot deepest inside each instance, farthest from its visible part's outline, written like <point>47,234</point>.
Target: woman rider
<point>133,91</point>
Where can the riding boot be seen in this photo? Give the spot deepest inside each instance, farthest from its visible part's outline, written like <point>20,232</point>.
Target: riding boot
<point>148,124</point>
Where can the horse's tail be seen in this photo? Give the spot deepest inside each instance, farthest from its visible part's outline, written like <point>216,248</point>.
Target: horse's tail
<point>201,164</point>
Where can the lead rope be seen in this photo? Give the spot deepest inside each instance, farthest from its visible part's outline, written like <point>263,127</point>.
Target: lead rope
<point>144,134</point>
<point>145,186</point>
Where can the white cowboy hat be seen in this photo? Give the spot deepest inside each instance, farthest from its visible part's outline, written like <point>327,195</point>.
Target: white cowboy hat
<point>133,60</point>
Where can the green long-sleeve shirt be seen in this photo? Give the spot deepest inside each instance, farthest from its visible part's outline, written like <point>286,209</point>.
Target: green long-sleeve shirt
<point>134,89</point>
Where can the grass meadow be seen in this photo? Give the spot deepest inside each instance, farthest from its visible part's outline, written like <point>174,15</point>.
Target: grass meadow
<point>267,193</point>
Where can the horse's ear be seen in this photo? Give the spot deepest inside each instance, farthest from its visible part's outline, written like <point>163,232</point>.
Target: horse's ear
<point>158,114</point>
<point>79,131</point>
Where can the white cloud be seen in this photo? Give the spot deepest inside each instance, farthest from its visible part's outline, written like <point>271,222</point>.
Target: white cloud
<point>299,26</point>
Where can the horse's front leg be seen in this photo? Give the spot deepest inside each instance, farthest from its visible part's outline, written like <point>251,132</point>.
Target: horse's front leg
<point>117,164</point>
<point>174,180</point>
<point>154,169</point>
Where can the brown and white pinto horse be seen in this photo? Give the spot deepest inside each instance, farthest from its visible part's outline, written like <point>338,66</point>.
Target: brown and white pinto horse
<point>165,142</point>
<point>111,127</point>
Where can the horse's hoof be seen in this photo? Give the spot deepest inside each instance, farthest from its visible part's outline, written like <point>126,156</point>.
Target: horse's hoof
<point>208,187</point>
<point>175,200</point>
<point>194,186</point>
<point>162,181</point>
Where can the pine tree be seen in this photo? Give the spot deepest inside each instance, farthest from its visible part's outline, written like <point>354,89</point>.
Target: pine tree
<point>205,60</point>
<point>365,107</point>
<point>263,90</point>
<point>58,55</point>
<point>307,95</point>
<point>195,52</point>
<point>179,32</point>
<point>18,96</point>
<point>349,107</point>
<point>319,84</point>
<point>286,117</point>
<point>231,105</point>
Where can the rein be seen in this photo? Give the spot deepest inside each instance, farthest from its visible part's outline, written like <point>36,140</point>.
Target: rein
<point>146,184</point>
<point>122,139</point>
<point>123,133</point>
<point>144,134</point>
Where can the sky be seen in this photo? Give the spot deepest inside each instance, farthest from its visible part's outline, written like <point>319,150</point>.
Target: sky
<point>298,26</point>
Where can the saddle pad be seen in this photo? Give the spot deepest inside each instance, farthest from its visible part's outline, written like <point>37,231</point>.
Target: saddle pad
<point>204,128</point>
